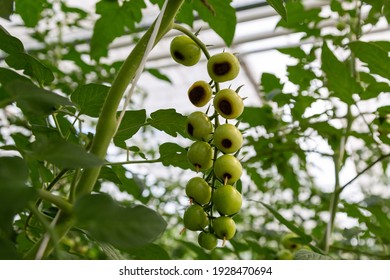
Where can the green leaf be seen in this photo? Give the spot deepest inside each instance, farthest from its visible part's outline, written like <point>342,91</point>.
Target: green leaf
<point>339,80</point>
<point>271,85</point>
<point>30,11</point>
<point>90,98</point>
<point>220,16</point>
<point>303,254</point>
<point>373,90</point>
<point>174,155</point>
<point>31,67</point>
<point>279,7</point>
<point>7,76</point>
<point>169,121</point>
<point>304,237</point>
<point>156,73</point>
<point>114,21</point>
<point>149,252</point>
<point>376,58</point>
<point>256,178</point>
<point>123,227</point>
<point>302,19</point>
<point>8,250</point>
<point>62,153</point>
<point>186,14</point>
<point>260,116</point>
<point>132,121</point>
<point>14,193</point>
<point>386,10</point>
<point>295,52</point>
<point>329,132</point>
<point>117,175</point>
<point>9,43</point>
<point>300,75</point>
<point>6,8</point>
<point>376,4</point>
<point>34,100</point>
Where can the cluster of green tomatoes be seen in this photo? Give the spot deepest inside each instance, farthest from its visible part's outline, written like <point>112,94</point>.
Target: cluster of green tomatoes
<point>214,198</point>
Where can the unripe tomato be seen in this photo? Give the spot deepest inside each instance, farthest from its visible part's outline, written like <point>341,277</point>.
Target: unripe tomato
<point>200,155</point>
<point>223,67</point>
<point>200,93</point>
<point>198,190</point>
<point>289,243</point>
<point>224,227</point>
<point>199,126</point>
<point>228,104</point>
<point>227,138</point>
<point>285,254</point>
<point>207,240</point>
<point>195,218</point>
<point>227,200</point>
<point>228,169</point>
<point>185,51</point>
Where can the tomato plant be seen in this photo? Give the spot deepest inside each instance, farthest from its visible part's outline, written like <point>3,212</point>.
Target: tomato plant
<point>303,174</point>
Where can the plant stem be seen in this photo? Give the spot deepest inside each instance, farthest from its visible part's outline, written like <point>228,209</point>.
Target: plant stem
<point>107,123</point>
<point>46,224</point>
<point>364,171</point>
<point>60,202</point>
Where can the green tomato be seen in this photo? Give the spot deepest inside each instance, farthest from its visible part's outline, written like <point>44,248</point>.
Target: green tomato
<point>289,241</point>
<point>223,67</point>
<point>228,169</point>
<point>200,155</point>
<point>227,200</point>
<point>207,240</point>
<point>195,218</point>
<point>227,138</point>
<point>198,190</point>
<point>224,227</point>
<point>199,126</point>
<point>200,93</point>
<point>185,51</point>
<point>228,103</point>
<point>285,254</point>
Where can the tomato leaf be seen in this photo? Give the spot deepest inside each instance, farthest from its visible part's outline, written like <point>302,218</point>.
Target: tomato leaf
<point>117,175</point>
<point>123,227</point>
<point>114,21</point>
<point>6,8</point>
<point>62,153</point>
<point>304,237</point>
<point>132,121</point>
<point>34,100</point>
<point>31,67</point>
<point>149,252</point>
<point>30,11</point>
<point>157,73</point>
<point>279,7</point>
<point>186,13</point>
<point>9,43</point>
<point>14,193</point>
<point>376,57</point>
<point>169,121</point>
<point>339,80</point>
<point>174,155</point>
<point>90,98</point>
<point>220,16</point>
<point>303,254</point>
